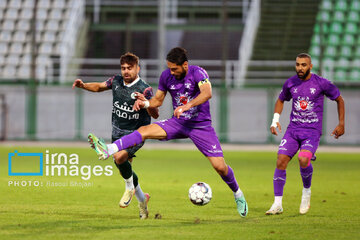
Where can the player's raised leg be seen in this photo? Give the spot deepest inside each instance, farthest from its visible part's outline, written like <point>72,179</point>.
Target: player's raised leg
<point>152,131</point>
<point>279,181</point>
<point>306,171</point>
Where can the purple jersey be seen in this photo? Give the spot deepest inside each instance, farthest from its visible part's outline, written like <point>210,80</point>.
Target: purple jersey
<point>183,91</point>
<point>308,100</point>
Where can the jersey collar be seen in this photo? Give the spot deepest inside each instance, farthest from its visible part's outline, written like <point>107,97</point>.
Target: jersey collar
<point>131,84</point>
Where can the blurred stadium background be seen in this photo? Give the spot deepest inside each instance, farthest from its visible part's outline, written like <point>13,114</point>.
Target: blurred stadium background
<point>248,48</point>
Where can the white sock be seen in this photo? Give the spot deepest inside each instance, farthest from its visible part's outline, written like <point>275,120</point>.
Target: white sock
<point>129,184</point>
<point>306,191</point>
<point>238,193</point>
<point>139,194</point>
<point>112,148</point>
<point>278,200</point>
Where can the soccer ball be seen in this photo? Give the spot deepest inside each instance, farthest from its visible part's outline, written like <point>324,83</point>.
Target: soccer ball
<point>200,194</point>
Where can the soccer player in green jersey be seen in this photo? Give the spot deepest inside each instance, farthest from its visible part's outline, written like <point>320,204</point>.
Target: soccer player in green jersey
<point>125,120</point>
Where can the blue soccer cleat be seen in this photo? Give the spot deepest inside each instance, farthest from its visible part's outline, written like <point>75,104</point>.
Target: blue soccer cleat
<point>242,206</point>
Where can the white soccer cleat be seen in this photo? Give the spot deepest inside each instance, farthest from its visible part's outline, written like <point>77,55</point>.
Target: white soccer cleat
<point>275,209</point>
<point>143,209</point>
<point>126,198</point>
<point>305,201</point>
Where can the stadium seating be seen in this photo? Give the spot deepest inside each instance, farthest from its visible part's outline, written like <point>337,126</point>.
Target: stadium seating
<point>57,25</point>
<point>337,32</point>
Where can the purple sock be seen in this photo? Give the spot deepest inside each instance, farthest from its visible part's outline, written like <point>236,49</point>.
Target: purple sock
<point>279,181</point>
<point>230,180</point>
<point>130,140</point>
<point>306,175</point>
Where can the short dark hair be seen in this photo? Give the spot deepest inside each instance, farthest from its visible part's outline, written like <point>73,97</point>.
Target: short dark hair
<point>177,55</point>
<point>303,55</point>
<point>129,58</point>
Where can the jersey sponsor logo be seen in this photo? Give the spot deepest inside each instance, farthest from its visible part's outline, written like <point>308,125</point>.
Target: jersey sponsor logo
<point>183,99</point>
<point>204,81</point>
<point>124,111</point>
<point>303,103</point>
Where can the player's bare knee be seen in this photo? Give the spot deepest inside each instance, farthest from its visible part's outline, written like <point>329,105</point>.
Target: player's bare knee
<point>282,162</point>
<point>120,158</point>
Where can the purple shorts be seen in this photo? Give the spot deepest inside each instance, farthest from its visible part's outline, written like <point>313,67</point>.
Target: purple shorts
<point>204,138</point>
<point>295,139</point>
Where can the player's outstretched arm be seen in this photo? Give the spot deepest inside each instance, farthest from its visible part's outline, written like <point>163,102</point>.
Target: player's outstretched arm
<point>205,94</point>
<point>154,102</point>
<point>340,128</point>
<point>92,87</point>
<point>279,105</point>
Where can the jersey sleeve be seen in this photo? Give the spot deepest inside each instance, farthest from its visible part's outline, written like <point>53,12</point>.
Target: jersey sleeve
<point>162,81</point>
<point>148,93</point>
<point>201,77</point>
<point>285,94</point>
<point>330,90</point>
<point>109,82</point>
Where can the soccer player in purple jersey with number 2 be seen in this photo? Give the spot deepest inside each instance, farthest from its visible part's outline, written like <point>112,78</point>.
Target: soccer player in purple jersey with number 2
<point>190,89</point>
<point>307,92</point>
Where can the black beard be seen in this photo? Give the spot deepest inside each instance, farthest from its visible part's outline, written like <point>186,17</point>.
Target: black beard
<point>183,74</point>
<point>305,75</point>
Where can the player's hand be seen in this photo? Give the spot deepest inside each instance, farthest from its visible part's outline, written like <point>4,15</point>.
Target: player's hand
<point>140,96</point>
<point>139,104</point>
<point>78,83</point>
<point>179,110</point>
<point>338,131</point>
<point>273,128</point>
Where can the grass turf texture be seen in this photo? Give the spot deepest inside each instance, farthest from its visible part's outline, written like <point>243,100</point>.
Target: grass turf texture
<point>92,212</point>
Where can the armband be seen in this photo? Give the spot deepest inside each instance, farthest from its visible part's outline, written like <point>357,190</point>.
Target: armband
<point>204,81</point>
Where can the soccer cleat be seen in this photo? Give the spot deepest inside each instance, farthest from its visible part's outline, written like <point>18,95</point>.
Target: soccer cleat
<point>143,209</point>
<point>242,206</point>
<point>126,198</point>
<point>305,202</point>
<point>99,146</point>
<point>275,209</point>
<point>313,158</point>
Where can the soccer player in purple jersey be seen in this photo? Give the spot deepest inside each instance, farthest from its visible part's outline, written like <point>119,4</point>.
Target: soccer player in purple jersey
<point>307,91</point>
<point>190,89</point>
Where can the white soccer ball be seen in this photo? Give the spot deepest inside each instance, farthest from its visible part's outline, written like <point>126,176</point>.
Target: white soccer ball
<point>200,193</point>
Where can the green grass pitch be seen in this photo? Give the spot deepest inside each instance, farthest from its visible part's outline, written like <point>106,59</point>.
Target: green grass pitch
<point>92,212</point>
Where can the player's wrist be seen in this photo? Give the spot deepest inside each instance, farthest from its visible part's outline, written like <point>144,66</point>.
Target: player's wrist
<point>146,104</point>
<point>276,119</point>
